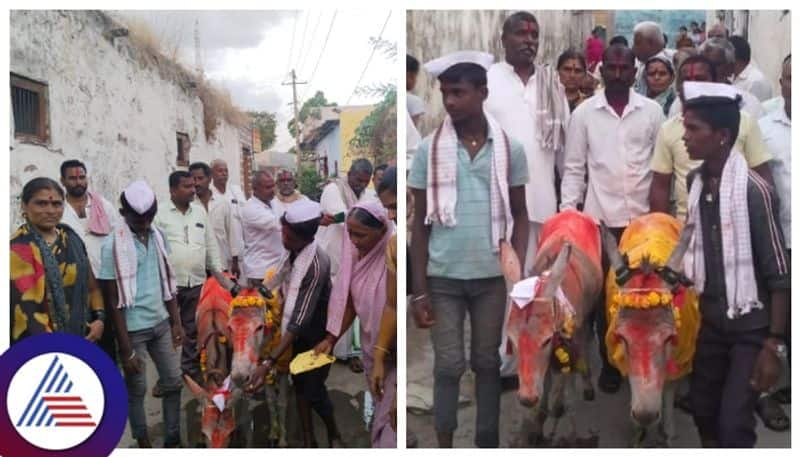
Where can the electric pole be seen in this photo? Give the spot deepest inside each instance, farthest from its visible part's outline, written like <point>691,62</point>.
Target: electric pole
<point>297,126</point>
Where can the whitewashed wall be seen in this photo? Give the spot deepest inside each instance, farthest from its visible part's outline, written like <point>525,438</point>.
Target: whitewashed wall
<point>431,34</point>
<point>117,115</point>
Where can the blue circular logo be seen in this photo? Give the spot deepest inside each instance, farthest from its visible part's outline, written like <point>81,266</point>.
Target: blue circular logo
<point>63,396</point>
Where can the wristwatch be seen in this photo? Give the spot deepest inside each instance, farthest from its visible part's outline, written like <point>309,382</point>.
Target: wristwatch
<point>779,348</point>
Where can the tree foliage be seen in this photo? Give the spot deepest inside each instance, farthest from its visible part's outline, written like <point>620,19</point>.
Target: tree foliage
<point>310,182</point>
<point>376,136</point>
<point>265,123</point>
<point>310,108</point>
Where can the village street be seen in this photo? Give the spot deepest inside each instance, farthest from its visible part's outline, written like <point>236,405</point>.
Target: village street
<point>603,423</point>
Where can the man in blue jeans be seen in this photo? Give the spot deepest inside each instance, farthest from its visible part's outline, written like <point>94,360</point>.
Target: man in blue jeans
<point>468,181</point>
<point>139,287</point>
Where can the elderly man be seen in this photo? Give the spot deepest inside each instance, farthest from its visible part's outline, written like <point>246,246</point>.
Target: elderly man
<point>226,227</point>
<point>777,129</point>
<point>139,288</point>
<point>337,198</point>
<point>193,251</point>
<point>747,76</point>
<point>611,135</point>
<point>648,41</point>
<point>721,53</point>
<point>671,163</point>
<point>457,233</point>
<point>718,30</point>
<point>287,192</point>
<point>92,217</point>
<point>529,103</point>
<point>261,226</point>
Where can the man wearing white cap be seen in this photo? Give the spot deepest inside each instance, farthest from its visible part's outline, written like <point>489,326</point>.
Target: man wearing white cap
<point>739,267</point>
<point>528,102</point>
<point>468,181</point>
<point>611,135</point>
<point>140,290</point>
<point>304,277</point>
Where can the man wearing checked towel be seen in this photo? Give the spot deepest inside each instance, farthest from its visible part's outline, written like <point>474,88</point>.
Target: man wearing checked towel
<point>468,180</point>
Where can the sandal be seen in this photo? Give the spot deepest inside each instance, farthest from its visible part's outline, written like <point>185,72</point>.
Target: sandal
<point>355,365</point>
<point>772,415</point>
<point>157,392</point>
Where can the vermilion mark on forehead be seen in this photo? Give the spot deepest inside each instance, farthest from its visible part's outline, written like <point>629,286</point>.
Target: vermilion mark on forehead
<point>527,26</point>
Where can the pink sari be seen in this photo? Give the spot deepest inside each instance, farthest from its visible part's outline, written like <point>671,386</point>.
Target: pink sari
<point>365,281</point>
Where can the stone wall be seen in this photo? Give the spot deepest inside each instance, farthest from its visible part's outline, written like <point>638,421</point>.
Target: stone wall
<point>107,107</point>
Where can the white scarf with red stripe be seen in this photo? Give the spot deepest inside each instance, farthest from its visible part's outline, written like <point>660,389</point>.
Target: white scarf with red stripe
<point>737,251</point>
<point>442,193</point>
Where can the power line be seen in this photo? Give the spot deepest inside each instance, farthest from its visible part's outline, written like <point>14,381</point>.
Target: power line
<point>291,48</point>
<point>311,43</point>
<point>303,39</point>
<point>369,59</point>
<point>322,53</point>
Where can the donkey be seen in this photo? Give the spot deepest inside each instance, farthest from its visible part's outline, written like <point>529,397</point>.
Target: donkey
<point>228,341</point>
<point>653,317</point>
<point>552,323</point>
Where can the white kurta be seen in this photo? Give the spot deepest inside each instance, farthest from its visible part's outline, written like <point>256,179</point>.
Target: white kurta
<point>513,105</point>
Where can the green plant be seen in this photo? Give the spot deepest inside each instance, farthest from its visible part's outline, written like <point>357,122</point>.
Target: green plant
<point>310,182</point>
<point>376,136</point>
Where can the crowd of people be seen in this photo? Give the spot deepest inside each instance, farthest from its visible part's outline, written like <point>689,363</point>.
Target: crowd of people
<point>128,275</point>
<point>617,133</point>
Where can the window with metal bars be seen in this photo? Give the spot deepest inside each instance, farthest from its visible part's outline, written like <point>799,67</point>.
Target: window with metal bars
<point>184,145</point>
<point>29,104</point>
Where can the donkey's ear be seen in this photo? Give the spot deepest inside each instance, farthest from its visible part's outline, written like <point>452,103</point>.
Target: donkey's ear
<point>194,387</point>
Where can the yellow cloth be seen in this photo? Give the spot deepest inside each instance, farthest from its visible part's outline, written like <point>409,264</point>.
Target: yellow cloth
<point>654,236</point>
<point>670,155</point>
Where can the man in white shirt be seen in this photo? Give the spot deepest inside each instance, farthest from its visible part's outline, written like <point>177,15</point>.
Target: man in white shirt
<point>261,226</point>
<point>776,127</point>
<point>518,91</point>
<point>227,228</point>
<point>612,133</point>
<point>746,75</point>
<point>92,217</point>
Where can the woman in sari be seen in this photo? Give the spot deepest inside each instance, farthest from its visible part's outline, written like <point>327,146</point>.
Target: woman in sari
<point>52,285</point>
<point>360,290</point>
<point>660,75</point>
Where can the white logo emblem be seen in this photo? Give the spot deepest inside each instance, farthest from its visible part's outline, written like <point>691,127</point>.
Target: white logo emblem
<point>55,401</point>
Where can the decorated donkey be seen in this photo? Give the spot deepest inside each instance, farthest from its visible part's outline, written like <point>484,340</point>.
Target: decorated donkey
<point>653,318</point>
<point>546,322</point>
<point>230,332</point>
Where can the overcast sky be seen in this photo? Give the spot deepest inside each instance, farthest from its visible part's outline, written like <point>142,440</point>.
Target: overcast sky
<point>250,53</point>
